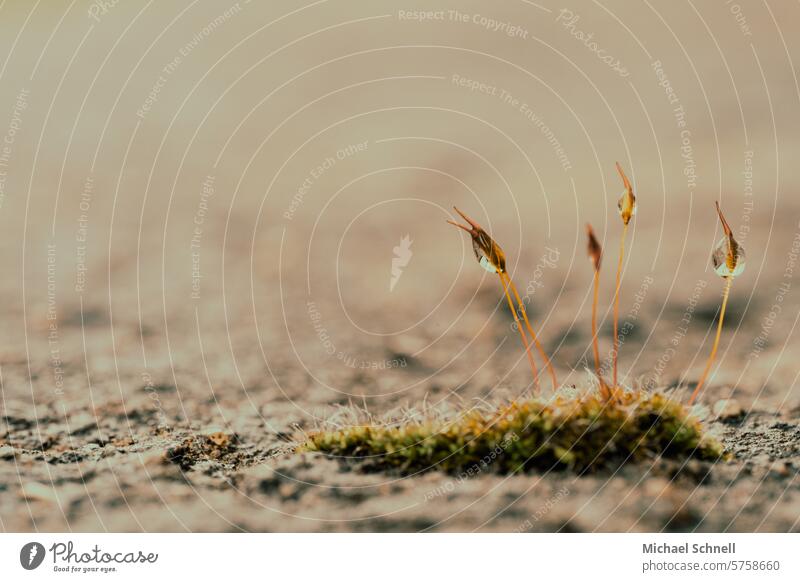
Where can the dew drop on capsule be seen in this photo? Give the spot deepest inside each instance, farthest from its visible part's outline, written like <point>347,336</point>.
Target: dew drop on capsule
<point>483,260</point>
<point>486,264</point>
<point>627,208</point>
<point>727,264</point>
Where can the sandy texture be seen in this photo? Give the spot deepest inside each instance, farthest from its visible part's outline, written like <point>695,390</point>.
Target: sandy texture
<point>203,209</point>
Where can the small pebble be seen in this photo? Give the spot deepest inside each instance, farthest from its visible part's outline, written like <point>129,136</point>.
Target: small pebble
<point>219,437</point>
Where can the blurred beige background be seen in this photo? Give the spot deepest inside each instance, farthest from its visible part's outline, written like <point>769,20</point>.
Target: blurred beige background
<point>200,201</point>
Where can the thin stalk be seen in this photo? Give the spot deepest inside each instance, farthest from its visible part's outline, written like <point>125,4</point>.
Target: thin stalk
<point>534,336</point>
<point>725,294</point>
<point>595,251</point>
<point>595,346</point>
<point>616,300</point>
<point>519,328</point>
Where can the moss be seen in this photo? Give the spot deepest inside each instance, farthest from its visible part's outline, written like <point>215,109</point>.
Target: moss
<point>587,433</point>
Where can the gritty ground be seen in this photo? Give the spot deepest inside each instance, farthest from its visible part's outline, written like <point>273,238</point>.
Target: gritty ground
<point>225,462</point>
<point>105,474</point>
<point>194,280</point>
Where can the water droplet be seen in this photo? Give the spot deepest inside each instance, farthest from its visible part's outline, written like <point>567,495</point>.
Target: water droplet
<point>483,260</point>
<point>626,202</point>
<point>727,263</point>
<point>480,254</point>
<point>626,206</point>
<point>489,254</point>
<point>486,264</point>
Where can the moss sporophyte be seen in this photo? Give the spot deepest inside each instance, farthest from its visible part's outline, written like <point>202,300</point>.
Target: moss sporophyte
<point>728,260</point>
<point>595,429</point>
<point>627,208</point>
<point>492,258</point>
<point>595,252</point>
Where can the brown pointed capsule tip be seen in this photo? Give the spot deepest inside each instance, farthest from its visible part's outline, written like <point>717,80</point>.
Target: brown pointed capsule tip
<point>482,243</point>
<point>732,258</point>
<point>594,249</point>
<point>471,222</point>
<point>625,180</point>
<point>725,227</point>
<point>474,228</point>
<point>469,230</point>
